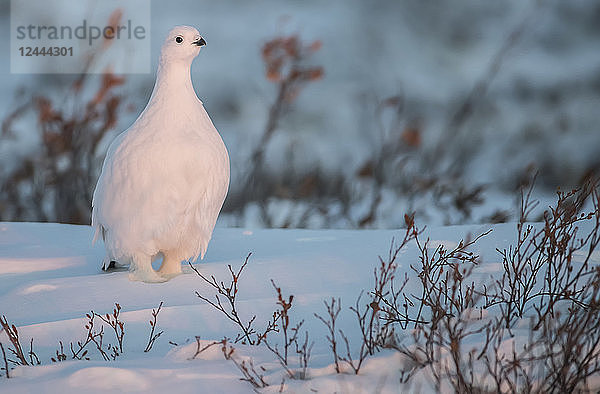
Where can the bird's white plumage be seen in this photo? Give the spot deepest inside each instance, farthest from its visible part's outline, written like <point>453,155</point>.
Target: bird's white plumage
<point>165,178</point>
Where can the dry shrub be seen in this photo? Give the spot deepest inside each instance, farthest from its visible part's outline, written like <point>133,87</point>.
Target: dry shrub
<point>79,350</point>
<point>225,301</point>
<point>290,334</point>
<point>62,174</point>
<point>56,183</point>
<point>16,350</point>
<point>475,338</point>
<point>286,66</point>
<point>536,329</point>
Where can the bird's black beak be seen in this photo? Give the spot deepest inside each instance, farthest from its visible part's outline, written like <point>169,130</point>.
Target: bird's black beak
<point>199,42</point>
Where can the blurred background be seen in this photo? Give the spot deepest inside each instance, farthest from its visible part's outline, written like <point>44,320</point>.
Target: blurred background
<point>339,113</point>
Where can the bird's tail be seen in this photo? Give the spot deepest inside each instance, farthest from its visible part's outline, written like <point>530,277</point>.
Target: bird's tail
<point>99,230</point>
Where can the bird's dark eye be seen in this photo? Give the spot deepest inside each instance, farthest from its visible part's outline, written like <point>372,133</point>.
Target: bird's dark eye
<point>179,39</point>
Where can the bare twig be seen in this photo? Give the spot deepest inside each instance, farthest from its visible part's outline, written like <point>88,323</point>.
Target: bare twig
<point>303,351</point>
<point>251,375</point>
<point>116,324</point>
<point>153,337</point>
<point>60,355</point>
<point>289,333</point>
<point>290,337</point>
<point>13,336</point>
<point>227,294</point>
<point>200,348</point>
<point>348,357</point>
<point>333,311</point>
<point>5,362</point>
<point>91,337</point>
<point>97,339</point>
<point>33,358</point>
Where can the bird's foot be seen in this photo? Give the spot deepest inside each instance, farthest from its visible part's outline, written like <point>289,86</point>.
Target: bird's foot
<point>148,276</point>
<point>169,275</point>
<point>170,268</point>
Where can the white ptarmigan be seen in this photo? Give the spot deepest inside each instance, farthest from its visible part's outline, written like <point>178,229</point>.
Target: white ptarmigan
<point>165,178</point>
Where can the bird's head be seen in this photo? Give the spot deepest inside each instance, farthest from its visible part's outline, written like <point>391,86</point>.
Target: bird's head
<point>183,43</point>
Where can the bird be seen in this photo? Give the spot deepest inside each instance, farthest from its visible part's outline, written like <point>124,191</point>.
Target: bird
<point>165,178</point>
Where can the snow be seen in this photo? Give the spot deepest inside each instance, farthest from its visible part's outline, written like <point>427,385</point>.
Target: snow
<point>57,280</point>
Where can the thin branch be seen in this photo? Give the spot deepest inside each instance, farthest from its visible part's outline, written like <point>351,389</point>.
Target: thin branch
<point>5,362</point>
<point>153,337</point>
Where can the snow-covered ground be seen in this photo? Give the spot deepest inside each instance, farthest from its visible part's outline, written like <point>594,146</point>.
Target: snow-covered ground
<point>50,278</point>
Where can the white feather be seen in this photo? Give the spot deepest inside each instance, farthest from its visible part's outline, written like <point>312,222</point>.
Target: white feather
<point>165,178</point>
